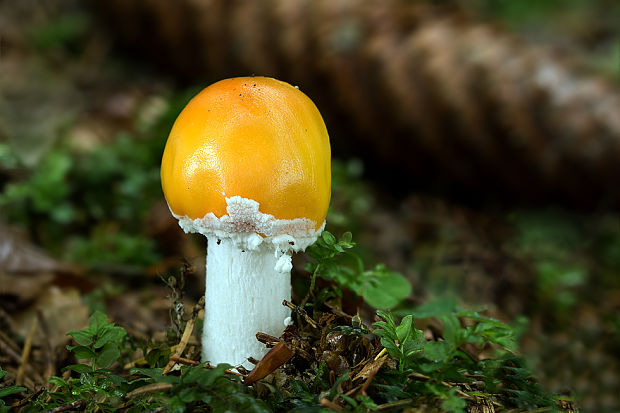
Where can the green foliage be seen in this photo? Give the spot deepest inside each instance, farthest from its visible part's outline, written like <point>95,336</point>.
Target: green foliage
<point>419,371</point>
<point>439,362</point>
<point>199,386</point>
<point>333,260</point>
<point>7,391</point>
<point>403,342</point>
<point>100,344</point>
<point>112,246</point>
<point>510,375</point>
<point>65,31</point>
<point>352,200</point>
<point>554,246</point>
<point>45,192</point>
<point>95,201</point>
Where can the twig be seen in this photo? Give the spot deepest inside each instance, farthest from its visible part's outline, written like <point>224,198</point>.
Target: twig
<point>50,365</point>
<point>398,403</point>
<point>374,369</point>
<point>7,347</point>
<point>311,288</point>
<point>331,405</point>
<point>182,360</point>
<point>148,389</point>
<point>76,405</point>
<point>267,339</point>
<point>208,366</point>
<point>25,400</point>
<point>337,312</point>
<point>189,328</point>
<point>19,380</point>
<point>4,316</point>
<point>443,383</point>
<point>302,313</point>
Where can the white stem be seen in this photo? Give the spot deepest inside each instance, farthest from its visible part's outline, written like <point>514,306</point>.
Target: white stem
<point>243,295</point>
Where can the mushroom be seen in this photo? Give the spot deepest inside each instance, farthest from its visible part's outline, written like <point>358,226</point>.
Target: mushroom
<point>247,164</point>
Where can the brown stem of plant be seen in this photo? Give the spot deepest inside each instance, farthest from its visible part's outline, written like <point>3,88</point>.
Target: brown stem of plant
<point>267,339</point>
<point>8,347</point>
<point>301,312</point>
<point>424,377</point>
<point>50,363</point>
<point>182,360</point>
<point>148,389</point>
<point>19,380</point>
<point>187,333</point>
<point>73,406</point>
<point>331,405</point>
<point>25,400</point>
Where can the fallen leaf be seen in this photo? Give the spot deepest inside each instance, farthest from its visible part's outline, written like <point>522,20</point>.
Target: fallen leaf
<point>276,357</point>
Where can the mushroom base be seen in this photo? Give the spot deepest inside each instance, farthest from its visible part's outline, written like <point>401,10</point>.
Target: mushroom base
<point>243,295</point>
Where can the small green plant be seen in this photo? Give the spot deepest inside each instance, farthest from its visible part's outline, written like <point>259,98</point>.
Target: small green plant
<point>334,261</point>
<point>447,368</point>
<point>198,387</point>
<point>7,391</point>
<point>100,344</point>
<point>403,342</point>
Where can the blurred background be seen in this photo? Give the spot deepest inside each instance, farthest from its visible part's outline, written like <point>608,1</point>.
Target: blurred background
<point>476,149</point>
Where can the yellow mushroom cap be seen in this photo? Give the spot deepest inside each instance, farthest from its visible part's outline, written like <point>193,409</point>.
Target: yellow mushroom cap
<point>253,138</point>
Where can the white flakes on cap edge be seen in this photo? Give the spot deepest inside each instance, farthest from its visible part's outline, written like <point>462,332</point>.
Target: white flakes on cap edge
<point>250,229</point>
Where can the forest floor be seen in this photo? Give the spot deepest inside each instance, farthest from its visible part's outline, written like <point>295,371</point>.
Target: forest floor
<point>86,227</point>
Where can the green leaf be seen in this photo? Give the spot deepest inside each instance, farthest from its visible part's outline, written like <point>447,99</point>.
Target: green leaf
<point>82,352</point>
<point>58,381</point>
<point>158,356</point>
<point>78,368</point>
<point>347,237</point>
<point>438,350</point>
<point>108,355</point>
<point>404,329</point>
<point>109,334</point>
<point>329,238</point>
<point>215,373</point>
<point>82,337</point>
<point>391,348</point>
<point>116,380</point>
<point>176,405</point>
<point>435,308</point>
<point>414,343</point>
<point>451,329</point>
<point>11,390</point>
<point>96,322</point>
<point>156,375</point>
<point>389,289</point>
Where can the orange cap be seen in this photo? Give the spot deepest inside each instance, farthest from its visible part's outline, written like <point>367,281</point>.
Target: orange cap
<point>252,137</point>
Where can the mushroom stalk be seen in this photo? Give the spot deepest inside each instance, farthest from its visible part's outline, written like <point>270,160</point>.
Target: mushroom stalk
<point>244,290</point>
